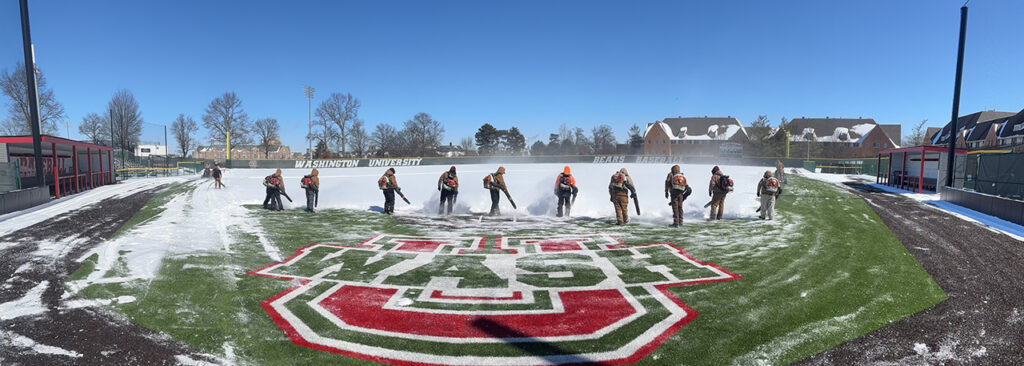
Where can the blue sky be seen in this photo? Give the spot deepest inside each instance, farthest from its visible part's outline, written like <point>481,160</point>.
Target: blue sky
<point>534,65</point>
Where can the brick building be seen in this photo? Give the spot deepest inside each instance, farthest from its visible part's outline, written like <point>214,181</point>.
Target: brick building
<point>841,137</point>
<point>1011,132</point>
<point>975,131</point>
<point>695,136</point>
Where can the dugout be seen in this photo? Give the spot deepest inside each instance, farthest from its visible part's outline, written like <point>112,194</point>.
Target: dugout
<point>69,166</point>
<point>917,168</point>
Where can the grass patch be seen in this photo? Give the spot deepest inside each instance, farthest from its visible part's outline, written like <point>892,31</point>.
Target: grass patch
<point>155,206</point>
<point>827,271</point>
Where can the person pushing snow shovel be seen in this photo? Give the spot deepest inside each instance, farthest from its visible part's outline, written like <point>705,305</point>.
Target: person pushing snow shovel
<point>566,191</point>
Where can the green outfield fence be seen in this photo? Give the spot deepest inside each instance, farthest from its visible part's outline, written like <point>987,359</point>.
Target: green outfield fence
<point>996,174</point>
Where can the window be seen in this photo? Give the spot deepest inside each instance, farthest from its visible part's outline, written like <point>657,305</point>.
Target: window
<point>874,145</point>
<point>144,149</point>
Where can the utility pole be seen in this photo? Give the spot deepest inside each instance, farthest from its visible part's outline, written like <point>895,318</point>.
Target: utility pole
<point>309,95</point>
<point>167,151</point>
<point>956,97</point>
<point>33,94</point>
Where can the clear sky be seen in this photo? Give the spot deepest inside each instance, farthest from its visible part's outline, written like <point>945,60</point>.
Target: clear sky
<point>534,65</point>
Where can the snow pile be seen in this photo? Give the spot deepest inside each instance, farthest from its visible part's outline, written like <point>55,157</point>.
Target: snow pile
<point>531,186</point>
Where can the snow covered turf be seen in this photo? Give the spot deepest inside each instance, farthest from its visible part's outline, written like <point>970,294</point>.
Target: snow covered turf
<point>213,269</point>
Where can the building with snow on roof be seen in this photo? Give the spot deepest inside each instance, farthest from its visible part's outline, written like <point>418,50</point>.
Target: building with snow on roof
<point>840,137</point>
<point>975,131</point>
<point>695,136</point>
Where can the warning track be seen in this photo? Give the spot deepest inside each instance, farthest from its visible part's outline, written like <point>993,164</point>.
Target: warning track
<point>95,335</point>
<point>980,270</point>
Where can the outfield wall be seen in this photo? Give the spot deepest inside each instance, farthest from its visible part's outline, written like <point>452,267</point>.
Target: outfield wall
<point>581,159</point>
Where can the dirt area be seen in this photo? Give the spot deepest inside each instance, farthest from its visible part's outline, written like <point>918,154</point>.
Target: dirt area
<point>982,322</point>
<point>100,336</point>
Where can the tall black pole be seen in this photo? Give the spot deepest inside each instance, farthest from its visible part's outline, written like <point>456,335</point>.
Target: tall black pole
<point>167,151</point>
<point>956,98</point>
<point>33,101</point>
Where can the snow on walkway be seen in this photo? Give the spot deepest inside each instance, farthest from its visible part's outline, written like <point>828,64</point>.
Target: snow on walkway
<point>933,199</point>
<point>15,221</point>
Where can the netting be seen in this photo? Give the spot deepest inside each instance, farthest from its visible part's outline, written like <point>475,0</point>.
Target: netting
<point>998,174</point>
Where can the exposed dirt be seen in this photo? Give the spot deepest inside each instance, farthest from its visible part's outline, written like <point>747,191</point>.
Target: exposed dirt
<point>100,336</point>
<point>982,272</point>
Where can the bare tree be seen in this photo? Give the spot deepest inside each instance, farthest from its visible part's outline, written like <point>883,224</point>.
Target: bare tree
<point>184,129</point>
<point>466,144</point>
<point>359,140</point>
<point>917,136</point>
<point>18,120</point>
<point>386,140</point>
<point>604,139</point>
<point>340,110</point>
<point>94,128</point>
<point>423,134</point>
<point>266,131</point>
<point>583,144</point>
<point>123,114</point>
<point>225,115</point>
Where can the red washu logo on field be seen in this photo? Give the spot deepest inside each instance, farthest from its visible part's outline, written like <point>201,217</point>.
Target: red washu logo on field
<point>524,300</point>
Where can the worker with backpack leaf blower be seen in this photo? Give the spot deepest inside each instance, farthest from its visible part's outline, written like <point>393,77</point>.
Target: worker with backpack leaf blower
<point>566,191</point>
<point>311,183</point>
<point>448,184</point>
<point>389,185</point>
<point>621,188</point>
<point>720,186</point>
<point>275,188</point>
<point>768,189</point>
<point>495,183</point>
<point>677,188</point>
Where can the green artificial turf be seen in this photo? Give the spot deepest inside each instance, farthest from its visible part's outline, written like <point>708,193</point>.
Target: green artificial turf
<point>826,271</point>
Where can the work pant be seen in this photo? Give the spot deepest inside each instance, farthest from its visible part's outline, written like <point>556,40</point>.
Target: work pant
<point>564,200</point>
<point>273,200</point>
<point>447,195</point>
<point>717,203</point>
<point>310,199</point>
<point>621,202</point>
<point>389,201</point>
<point>677,206</point>
<point>495,197</point>
<point>768,206</point>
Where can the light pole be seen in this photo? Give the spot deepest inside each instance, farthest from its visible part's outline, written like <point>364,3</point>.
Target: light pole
<point>309,95</point>
<point>33,100</point>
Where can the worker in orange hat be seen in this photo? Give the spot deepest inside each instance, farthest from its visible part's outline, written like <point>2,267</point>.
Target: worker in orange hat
<point>565,190</point>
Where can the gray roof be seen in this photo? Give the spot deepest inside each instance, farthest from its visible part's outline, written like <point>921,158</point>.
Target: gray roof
<point>894,132</point>
<point>1013,127</point>
<point>968,122</point>
<point>698,126</point>
<point>824,127</point>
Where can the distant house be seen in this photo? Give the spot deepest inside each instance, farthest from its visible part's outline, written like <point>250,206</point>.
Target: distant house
<point>841,137</point>
<point>239,152</point>
<point>975,130</point>
<point>1011,132</point>
<point>695,136</point>
<point>929,134</point>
